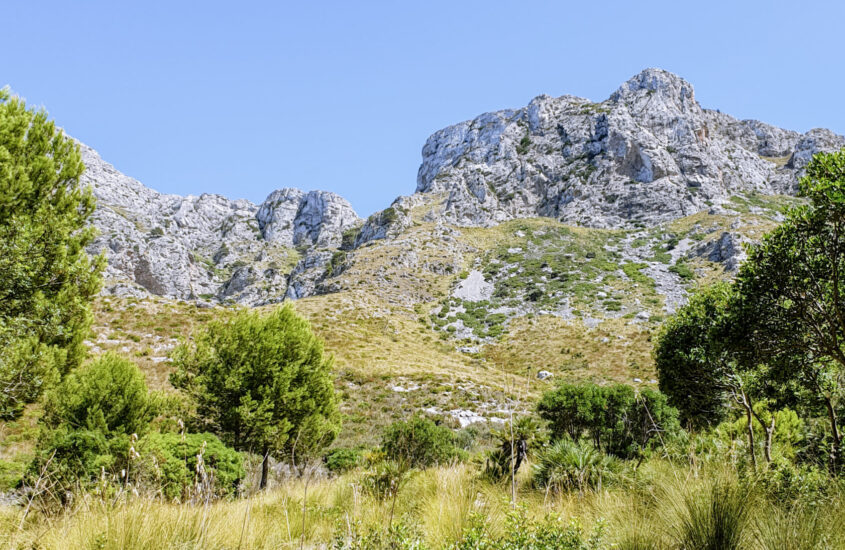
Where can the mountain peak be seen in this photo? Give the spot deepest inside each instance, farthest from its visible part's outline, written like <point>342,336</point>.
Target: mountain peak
<point>659,82</point>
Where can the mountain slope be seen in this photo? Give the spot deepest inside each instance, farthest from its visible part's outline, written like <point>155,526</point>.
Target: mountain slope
<point>551,238</point>
<point>649,154</point>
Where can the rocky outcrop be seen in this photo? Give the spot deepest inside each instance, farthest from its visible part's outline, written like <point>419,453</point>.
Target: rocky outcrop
<point>647,154</point>
<point>315,218</point>
<point>208,247</point>
<point>728,250</point>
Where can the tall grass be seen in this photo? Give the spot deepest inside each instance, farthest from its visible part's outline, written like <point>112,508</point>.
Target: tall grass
<point>714,516</point>
<point>664,507</point>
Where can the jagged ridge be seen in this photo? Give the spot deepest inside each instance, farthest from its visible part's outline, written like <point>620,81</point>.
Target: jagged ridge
<point>648,154</point>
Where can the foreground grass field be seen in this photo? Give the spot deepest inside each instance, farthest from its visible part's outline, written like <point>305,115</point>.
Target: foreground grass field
<point>661,505</point>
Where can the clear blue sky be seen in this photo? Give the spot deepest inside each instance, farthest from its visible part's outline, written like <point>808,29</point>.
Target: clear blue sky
<point>241,98</point>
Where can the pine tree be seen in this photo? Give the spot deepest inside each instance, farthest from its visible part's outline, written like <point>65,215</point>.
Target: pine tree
<point>262,383</point>
<point>47,280</point>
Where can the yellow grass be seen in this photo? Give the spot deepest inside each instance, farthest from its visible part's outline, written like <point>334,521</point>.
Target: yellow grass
<point>438,504</point>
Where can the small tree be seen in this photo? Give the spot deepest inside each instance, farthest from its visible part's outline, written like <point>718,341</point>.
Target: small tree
<point>791,293</point>
<point>617,419</point>
<point>418,443</point>
<point>169,460</point>
<point>46,278</point>
<point>90,416</point>
<point>262,383</point>
<point>706,364</point>
<point>695,365</point>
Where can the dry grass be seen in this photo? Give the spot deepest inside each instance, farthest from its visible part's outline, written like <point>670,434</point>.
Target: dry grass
<point>616,350</point>
<point>659,507</point>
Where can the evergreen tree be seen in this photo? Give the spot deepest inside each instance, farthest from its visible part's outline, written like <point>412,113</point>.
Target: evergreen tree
<point>46,278</point>
<point>262,383</point>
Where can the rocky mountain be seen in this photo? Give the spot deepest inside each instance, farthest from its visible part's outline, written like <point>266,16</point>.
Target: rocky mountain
<point>210,247</point>
<point>647,156</point>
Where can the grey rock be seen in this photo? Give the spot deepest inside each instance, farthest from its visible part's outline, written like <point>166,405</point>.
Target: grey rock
<point>207,247</point>
<point>647,154</point>
<point>295,218</point>
<point>728,250</point>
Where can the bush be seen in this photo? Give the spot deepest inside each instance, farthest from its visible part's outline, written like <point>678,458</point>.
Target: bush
<point>615,418</point>
<point>170,460</point>
<point>514,445</point>
<point>567,466</point>
<point>419,442</point>
<point>261,382</point>
<point>91,419</point>
<point>521,532</point>
<point>108,395</point>
<point>683,271</point>
<point>397,536</point>
<point>339,461</point>
<point>385,479</point>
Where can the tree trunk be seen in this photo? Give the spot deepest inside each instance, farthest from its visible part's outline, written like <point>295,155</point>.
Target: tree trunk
<point>770,432</point>
<point>748,416</point>
<point>834,429</point>
<point>265,469</point>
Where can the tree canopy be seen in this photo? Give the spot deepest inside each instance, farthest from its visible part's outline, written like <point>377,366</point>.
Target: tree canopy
<point>618,419</point>
<point>46,278</point>
<point>777,332</point>
<point>262,382</point>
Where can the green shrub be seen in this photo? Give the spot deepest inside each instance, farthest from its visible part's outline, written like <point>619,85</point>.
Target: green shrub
<point>524,144</point>
<point>683,271</point>
<point>170,460</point>
<point>341,460</point>
<point>419,442</point>
<point>397,536</point>
<point>385,479</point>
<point>348,238</point>
<point>523,533</point>
<point>91,418</point>
<point>571,466</point>
<point>616,418</point>
<point>81,455</point>
<point>108,395</point>
<point>336,264</point>
<point>513,446</point>
<point>261,382</point>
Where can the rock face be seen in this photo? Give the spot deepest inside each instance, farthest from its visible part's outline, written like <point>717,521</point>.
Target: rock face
<point>647,154</point>
<point>208,247</point>
<point>295,218</point>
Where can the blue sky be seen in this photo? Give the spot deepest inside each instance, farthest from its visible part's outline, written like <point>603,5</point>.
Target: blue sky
<point>241,98</point>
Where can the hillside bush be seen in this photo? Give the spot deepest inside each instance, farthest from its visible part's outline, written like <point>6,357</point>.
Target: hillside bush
<point>262,383</point>
<point>616,418</point>
<point>574,466</point>
<point>521,532</point>
<point>419,442</point>
<point>341,460</point>
<point>92,418</point>
<point>168,461</point>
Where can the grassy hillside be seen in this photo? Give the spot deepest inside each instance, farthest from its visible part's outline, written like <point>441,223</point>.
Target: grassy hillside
<point>582,304</point>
